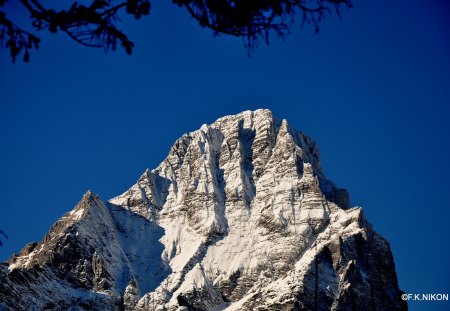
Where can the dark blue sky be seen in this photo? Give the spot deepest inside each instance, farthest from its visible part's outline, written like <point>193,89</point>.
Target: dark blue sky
<point>373,90</point>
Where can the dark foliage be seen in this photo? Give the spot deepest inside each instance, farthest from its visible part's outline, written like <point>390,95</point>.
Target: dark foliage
<point>95,25</point>
<point>256,19</point>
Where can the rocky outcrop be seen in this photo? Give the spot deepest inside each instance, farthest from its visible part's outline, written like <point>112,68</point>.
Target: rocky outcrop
<point>239,216</point>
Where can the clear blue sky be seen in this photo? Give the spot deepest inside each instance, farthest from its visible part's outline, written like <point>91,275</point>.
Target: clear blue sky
<point>373,90</point>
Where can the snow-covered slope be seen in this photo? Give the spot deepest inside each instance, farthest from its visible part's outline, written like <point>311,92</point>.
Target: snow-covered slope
<point>239,216</point>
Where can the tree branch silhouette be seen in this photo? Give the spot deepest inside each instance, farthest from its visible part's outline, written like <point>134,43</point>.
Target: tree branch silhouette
<point>255,20</point>
<point>96,25</point>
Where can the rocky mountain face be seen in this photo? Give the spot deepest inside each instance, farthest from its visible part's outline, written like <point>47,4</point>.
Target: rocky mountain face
<point>239,216</point>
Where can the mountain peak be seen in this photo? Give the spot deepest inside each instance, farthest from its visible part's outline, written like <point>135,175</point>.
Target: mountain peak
<point>239,216</point>
<point>88,195</point>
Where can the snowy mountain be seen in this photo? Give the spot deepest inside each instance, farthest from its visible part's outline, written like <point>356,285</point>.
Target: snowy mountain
<point>239,216</point>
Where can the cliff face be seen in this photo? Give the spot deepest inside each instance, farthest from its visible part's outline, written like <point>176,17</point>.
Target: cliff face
<point>239,216</point>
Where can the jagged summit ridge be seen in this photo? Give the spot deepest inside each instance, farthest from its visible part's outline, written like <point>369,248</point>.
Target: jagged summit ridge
<point>239,216</point>
<point>240,144</point>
